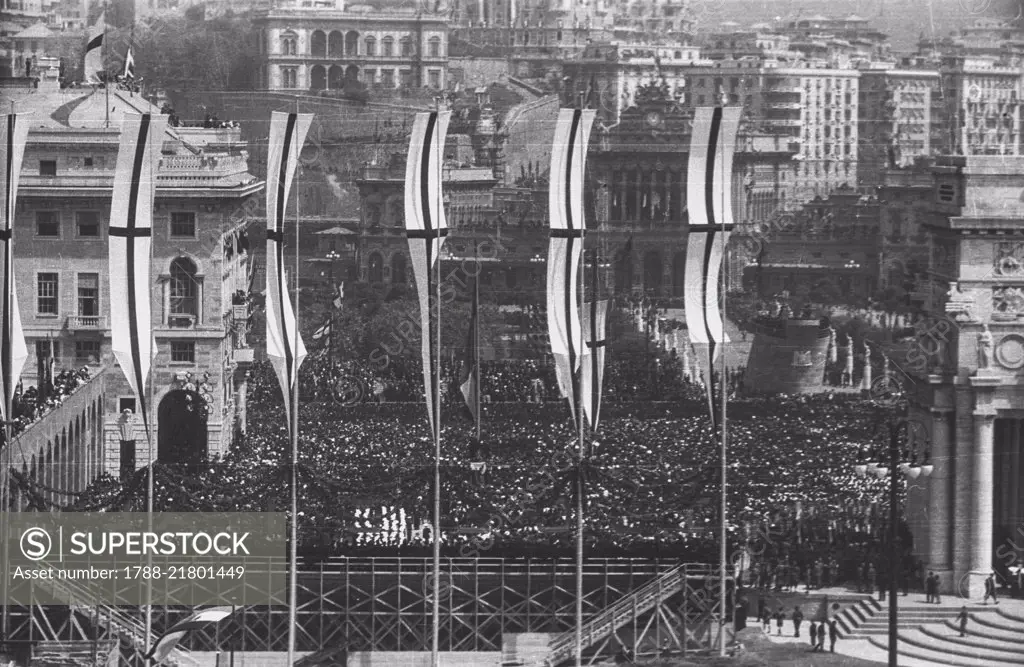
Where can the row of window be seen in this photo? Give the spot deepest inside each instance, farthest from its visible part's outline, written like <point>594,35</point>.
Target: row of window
<point>87,224</point>
<point>183,292</point>
<point>88,351</point>
<point>320,79</point>
<point>319,46</point>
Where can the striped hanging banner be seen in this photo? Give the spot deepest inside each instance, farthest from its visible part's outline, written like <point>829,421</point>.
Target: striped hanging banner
<point>709,200</point>
<point>201,619</point>
<point>592,365</point>
<point>565,210</point>
<point>284,345</point>
<point>426,229</point>
<point>13,351</point>
<point>131,223</point>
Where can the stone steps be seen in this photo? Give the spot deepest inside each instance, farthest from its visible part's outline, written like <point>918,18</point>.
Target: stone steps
<point>948,650</point>
<point>939,656</point>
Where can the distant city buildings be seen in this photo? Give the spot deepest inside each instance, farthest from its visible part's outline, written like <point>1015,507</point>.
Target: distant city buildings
<point>318,49</point>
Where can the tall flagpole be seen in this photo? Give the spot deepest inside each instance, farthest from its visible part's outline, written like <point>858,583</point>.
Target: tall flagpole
<point>106,78</point>
<point>293,555</point>
<point>578,398</point>
<point>435,640</point>
<point>150,422</point>
<point>476,344</point>
<point>722,556</point>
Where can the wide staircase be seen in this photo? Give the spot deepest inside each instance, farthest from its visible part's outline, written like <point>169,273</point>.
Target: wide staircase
<point>117,623</point>
<point>930,634</point>
<point>563,647</point>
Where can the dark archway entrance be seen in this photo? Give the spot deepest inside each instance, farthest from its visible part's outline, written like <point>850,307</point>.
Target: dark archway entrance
<point>181,420</point>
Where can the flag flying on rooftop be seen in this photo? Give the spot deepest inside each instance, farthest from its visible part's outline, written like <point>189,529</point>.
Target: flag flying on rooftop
<point>94,50</point>
<point>709,200</point>
<point>284,345</point>
<point>13,351</point>
<point>565,211</point>
<point>426,229</point>
<point>129,65</point>
<point>131,221</point>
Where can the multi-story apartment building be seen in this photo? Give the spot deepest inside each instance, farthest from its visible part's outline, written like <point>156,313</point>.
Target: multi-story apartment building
<point>200,267</point>
<point>818,107</point>
<point>981,95</point>
<point>899,111</point>
<point>316,48</point>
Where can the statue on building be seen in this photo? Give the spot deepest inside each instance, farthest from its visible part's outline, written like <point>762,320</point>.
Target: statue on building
<point>984,349</point>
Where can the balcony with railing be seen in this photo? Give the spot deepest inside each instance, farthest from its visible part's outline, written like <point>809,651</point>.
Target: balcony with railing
<point>87,323</point>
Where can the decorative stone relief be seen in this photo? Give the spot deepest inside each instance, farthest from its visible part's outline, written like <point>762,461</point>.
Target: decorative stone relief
<point>1010,259</point>
<point>1010,351</point>
<point>1007,302</point>
<point>959,304</point>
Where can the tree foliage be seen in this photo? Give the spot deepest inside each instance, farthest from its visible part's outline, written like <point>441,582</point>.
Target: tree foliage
<point>181,55</point>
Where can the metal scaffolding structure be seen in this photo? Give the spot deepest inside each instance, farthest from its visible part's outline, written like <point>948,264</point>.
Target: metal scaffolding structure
<point>384,604</point>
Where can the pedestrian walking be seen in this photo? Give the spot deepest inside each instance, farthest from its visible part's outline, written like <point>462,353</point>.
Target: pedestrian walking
<point>990,589</point>
<point>780,616</point>
<point>936,595</point>
<point>821,637</point>
<point>814,636</point>
<point>766,621</point>
<point>833,634</point>
<point>798,618</point>
<point>962,618</point>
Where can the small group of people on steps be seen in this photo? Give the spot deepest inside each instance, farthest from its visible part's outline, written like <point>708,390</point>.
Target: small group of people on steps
<point>817,631</point>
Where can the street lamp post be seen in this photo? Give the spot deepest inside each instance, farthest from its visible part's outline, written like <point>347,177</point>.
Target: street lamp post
<point>894,462</point>
<point>126,426</point>
<point>332,256</point>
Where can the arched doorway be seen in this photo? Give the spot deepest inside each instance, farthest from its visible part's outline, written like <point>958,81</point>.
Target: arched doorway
<point>352,43</point>
<point>336,44</point>
<point>181,420</point>
<point>318,44</point>
<point>679,274</point>
<point>352,73</point>
<point>318,78</point>
<point>336,77</point>
<point>652,272</point>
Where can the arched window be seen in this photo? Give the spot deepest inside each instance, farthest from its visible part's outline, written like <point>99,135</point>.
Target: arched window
<point>406,46</point>
<point>352,43</point>
<point>376,268</point>
<point>371,46</point>
<point>318,44</point>
<point>289,44</point>
<point>434,46</point>
<point>318,78</point>
<point>183,306</point>
<point>398,269</point>
<point>336,44</point>
<point>388,47</point>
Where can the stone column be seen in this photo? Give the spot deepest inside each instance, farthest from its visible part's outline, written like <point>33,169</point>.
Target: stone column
<point>983,479</point>
<point>961,460</point>
<point>940,501</point>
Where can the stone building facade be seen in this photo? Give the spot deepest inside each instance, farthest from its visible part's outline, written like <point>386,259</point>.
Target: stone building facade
<point>971,394</point>
<point>318,49</point>
<point>200,264</point>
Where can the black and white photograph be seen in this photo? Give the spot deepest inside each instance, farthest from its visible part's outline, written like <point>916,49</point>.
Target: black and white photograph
<point>511,333</point>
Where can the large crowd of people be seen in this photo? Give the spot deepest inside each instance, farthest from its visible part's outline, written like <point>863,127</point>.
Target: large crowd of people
<point>650,478</point>
<point>30,405</point>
